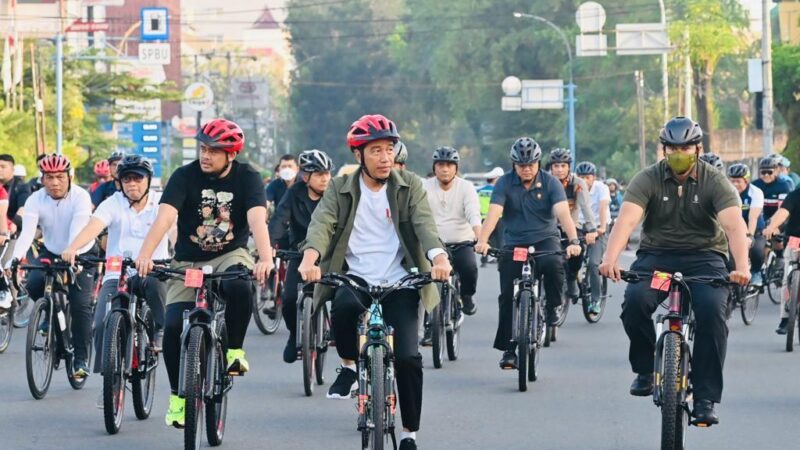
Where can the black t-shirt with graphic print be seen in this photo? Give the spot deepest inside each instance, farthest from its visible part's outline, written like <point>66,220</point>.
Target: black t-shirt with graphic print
<point>212,213</point>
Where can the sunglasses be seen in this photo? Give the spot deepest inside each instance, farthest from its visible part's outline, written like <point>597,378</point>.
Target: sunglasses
<point>132,177</point>
<point>767,172</point>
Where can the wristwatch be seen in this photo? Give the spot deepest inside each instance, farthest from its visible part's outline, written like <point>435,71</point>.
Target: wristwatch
<point>575,242</point>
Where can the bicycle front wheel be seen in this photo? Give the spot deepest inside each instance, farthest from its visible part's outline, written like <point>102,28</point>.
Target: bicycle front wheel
<point>114,345</point>
<point>523,339</point>
<point>377,394</point>
<point>749,306</point>
<point>6,327</point>
<point>267,305</point>
<point>791,305</point>
<point>40,351</point>
<point>323,337</point>
<point>674,418</point>
<point>437,333</point>
<point>217,404</point>
<point>308,345</point>
<point>194,371</point>
<point>773,277</point>
<point>143,381</point>
<point>23,309</point>
<point>453,334</point>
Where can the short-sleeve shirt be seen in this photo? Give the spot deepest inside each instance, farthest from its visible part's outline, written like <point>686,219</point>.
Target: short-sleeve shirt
<point>774,194</point>
<point>752,197</point>
<point>528,216</point>
<point>18,193</point>
<point>212,213</point>
<point>792,204</point>
<point>682,216</point>
<point>598,192</point>
<point>104,191</point>
<point>275,190</point>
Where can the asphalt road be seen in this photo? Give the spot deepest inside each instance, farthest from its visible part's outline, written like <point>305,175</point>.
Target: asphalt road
<point>580,401</point>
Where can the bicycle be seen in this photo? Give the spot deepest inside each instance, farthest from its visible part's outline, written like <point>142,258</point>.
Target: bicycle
<point>204,380</point>
<point>673,382</point>
<point>47,345</point>
<point>377,400</point>
<point>267,301</point>
<point>528,316</point>
<point>772,271</point>
<point>746,300</point>
<point>128,348</point>
<point>585,293</point>
<point>446,318</point>
<point>792,304</point>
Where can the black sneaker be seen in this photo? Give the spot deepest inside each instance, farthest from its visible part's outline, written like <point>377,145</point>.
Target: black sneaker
<point>704,414</point>
<point>642,385</point>
<point>427,337</point>
<point>782,326</point>
<point>468,306</point>
<point>290,351</point>
<point>408,444</point>
<point>509,360</point>
<point>346,382</point>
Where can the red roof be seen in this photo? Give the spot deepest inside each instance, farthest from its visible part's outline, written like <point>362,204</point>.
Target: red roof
<point>266,21</point>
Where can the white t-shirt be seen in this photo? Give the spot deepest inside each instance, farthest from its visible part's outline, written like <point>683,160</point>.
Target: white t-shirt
<point>455,211</point>
<point>60,220</point>
<point>756,196</point>
<point>128,228</point>
<point>597,193</point>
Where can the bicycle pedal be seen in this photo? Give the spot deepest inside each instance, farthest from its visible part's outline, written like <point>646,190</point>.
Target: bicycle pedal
<point>235,373</point>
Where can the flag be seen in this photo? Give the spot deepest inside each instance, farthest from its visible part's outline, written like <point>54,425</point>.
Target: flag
<point>6,68</point>
<point>19,50</point>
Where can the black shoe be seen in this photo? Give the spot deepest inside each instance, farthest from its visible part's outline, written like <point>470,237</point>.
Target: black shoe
<point>572,289</point>
<point>346,382</point>
<point>782,326</point>
<point>427,337</point>
<point>551,317</point>
<point>408,444</point>
<point>468,306</point>
<point>509,360</point>
<point>704,414</point>
<point>642,386</point>
<point>290,351</point>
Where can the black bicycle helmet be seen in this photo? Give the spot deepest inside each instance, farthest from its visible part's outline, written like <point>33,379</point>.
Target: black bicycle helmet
<point>768,162</point>
<point>400,153</point>
<point>446,154</point>
<point>115,156</point>
<point>739,171</point>
<point>681,131</point>
<point>560,155</point>
<point>315,161</point>
<point>586,168</point>
<point>714,160</point>
<point>525,151</point>
<point>135,164</point>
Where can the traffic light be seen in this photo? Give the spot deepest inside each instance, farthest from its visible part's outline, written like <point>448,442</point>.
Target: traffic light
<point>759,110</point>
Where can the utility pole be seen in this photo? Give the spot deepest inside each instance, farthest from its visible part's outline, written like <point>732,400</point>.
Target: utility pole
<point>228,89</point>
<point>639,78</point>
<point>199,113</point>
<point>766,60</point>
<point>664,66</point>
<point>687,74</point>
<point>59,92</point>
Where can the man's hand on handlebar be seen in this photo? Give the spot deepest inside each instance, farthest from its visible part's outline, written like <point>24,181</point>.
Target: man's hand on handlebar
<point>441,268</point>
<point>482,248</point>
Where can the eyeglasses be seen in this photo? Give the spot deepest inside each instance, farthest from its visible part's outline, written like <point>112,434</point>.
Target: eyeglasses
<point>132,177</point>
<point>767,172</point>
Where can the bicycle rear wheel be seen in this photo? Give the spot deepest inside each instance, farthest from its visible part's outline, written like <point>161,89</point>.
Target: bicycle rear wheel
<point>674,418</point>
<point>194,370</point>
<point>6,327</point>
<point>523,339</point>
<point>23,309</point>
<point>377,394</point>
<point>267,305</point>
<point>115,340</point>
<point>773,277</point>
<point>40,351</point>
<point>308,344</point>
<point>749,306</point>
<point>69,361</point>
<point>143,380</point>
<point>452,335</point>
<point>794,292</point>
<point>217,404</point>
<point>437,333</point>
<point>323,336</point>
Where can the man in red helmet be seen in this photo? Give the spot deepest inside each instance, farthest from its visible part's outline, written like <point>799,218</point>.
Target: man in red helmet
<point>102,174</point>
<point>389,229</point>
<point>217,202</point>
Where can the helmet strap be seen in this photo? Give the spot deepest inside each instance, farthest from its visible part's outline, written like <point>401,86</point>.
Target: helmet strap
<point>366,171</point>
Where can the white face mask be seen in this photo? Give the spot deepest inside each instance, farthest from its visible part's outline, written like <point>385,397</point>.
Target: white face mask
<point>287,174</point>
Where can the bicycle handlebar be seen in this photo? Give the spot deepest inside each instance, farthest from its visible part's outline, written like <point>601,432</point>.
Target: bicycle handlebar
<point>288,254</point>
<point>501,252</point>
<point>412,280</point>
<point>632,276</point>
<point>164,273</point>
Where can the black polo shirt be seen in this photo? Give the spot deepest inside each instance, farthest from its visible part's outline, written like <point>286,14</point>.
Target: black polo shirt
<point>528,216</point>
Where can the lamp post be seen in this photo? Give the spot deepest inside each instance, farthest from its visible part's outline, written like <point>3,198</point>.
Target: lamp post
<point>570,86</point>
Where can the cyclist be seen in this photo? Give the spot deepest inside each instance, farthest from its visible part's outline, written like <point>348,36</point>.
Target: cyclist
<point>18,192</point>
<point>600,199</point>
<point>287,174</point>
<point>578,200</point>
<point>111,186</point>
<point>783,169</point>
<point>775,188</point>
<point>688,210</point>
<point>400,155</point>
<point>786,164</point>
<point>456,210</point>
<point>788,213</point>
<point>128,215</point>
<point>290,223</point>
<point>616,196</point>
<point>530,200</point>
<point>61,210</point>
<point>714,160</point>
<point>752,204</point>
<point>388,230</point>
<point>217,202</point>
<point>485,197</point>
<point>102,174</point>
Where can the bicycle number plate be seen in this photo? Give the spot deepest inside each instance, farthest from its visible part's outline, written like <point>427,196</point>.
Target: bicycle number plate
<point>794,243</point>
<point>114,265</point>
<point>660,281</point>
<point>520,254</point>
<point>194,278</point>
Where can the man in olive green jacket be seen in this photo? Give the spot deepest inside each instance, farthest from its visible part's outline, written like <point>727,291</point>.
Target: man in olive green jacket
<point>377,225</point>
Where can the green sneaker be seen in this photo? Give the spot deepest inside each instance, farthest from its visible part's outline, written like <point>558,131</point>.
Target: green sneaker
<point>237,364</point>
<point>176,414</point>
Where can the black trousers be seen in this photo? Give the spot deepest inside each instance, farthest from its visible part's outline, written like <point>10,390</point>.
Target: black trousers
<point>238,310</point>
<point>551,267</point>
<point>708,303</point>
<point>289,296</point>
<point>80,304</point>
<point>400,310</point>
<point>466,267</point>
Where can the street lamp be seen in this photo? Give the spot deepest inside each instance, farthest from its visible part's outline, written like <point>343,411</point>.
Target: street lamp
<point>570,86</point>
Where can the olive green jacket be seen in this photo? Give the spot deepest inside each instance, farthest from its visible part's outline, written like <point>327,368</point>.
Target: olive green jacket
<point>332,223</point>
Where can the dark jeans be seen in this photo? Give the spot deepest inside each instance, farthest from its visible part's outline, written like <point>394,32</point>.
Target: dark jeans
<point>290,296</point>
<point>466,267</point>
<point>80,304</point>
<point>551,267</point>
<point>238,310</point>
<point>708,303</point>
<point>153,291</point>
<point>400,310</point>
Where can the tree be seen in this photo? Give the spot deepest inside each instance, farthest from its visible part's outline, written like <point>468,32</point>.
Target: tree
<point>786,86</point>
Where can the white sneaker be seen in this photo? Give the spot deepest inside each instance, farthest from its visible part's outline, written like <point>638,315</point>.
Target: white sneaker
<point>5,300</point>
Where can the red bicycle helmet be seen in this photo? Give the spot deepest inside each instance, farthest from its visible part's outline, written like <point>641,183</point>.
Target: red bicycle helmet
<point>371,128</point>
<point>54,164</point>
<point>102,169</point>
<point>222,134</point>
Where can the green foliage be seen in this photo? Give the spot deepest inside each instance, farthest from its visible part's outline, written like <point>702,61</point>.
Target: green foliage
<point>786,87</point>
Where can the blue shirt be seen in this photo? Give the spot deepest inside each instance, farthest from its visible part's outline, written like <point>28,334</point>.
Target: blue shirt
<point>528,216</point>
<point>103,191</point>
<point>275,190</point>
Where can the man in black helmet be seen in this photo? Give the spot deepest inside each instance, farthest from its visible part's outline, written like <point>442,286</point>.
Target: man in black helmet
<point>530,200</point>
<point>688,209</point>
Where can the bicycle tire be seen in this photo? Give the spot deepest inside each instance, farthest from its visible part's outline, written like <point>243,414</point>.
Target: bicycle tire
<point>323,331</point>
<point>115,339</point>
<point>265,322</point>
<point>437,335</point>
<point>537,327</point>
<point>563,310</point>
<point>774,280</point>
<point>194,372</point>
<point>377,397</point>
<point>69,361</point>
<point>216,407</point>
<point>6,327</point>
<point>749,306</point>
<point>143,381</point>
<point>794,292</point>
<point>22,310</point>
<point>40,315</point>
<point>308,345</point>
<point>673,415</point>
<point>453,335</point>
<point>523,339</point>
